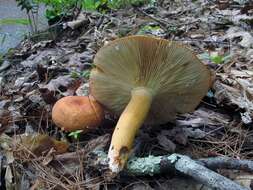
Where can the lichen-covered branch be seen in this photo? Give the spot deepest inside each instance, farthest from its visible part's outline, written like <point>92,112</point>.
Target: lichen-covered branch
<point>157,164</point>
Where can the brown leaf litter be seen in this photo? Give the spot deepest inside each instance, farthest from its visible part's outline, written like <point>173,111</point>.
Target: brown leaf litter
<point>40,73</point>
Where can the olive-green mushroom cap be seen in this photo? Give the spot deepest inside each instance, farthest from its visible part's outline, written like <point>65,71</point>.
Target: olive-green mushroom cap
<point>177,79</point>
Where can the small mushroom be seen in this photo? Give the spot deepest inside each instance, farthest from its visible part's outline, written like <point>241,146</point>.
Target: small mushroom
<point>146,80</point>
<point>73,113</point>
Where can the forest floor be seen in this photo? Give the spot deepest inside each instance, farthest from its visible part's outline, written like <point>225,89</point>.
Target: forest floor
<point>39,72</point>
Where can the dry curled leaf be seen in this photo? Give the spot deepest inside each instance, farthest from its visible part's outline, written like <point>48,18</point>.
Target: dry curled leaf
<point>166,143</point>
<point>239,95</point>
<point>39,144</point>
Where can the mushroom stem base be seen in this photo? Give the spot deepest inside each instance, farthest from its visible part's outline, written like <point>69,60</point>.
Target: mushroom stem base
<point>128,124</point>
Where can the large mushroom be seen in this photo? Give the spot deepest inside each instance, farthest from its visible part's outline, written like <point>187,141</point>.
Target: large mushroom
<point>146,80</point>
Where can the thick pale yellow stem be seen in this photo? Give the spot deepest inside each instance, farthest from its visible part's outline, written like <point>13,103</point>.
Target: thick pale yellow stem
<point>129,123</point>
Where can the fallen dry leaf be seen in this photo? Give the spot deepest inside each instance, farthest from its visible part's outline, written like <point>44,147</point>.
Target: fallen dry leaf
<point>39,144</point>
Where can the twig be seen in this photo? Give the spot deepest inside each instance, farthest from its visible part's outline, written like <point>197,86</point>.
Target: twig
<point>159,20</point>
<point>157,164</point>
<point>227,163</point>
<point>164,22</point>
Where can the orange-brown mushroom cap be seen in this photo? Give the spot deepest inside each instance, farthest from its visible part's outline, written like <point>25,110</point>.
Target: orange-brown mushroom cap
<point>73,113</point>
<point>177,79</point>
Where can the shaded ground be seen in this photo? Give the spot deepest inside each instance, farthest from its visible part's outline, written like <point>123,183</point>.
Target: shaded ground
<point>41,73</point>
<point>15,33</point>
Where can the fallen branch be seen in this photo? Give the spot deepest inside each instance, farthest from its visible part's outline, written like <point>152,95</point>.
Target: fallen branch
<point>227,163</point>
<point>158,164</point>
<point>79,21</point>
<point>164,22</point>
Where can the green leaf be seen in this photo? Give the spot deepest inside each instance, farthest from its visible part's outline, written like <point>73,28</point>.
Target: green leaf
<point>51,14</point>
<point>75,134</point>
<point>1,58</point>
<point>75,75</point>
<point>217,59</point>
<point>86,74</point>
<point>25,4</point>
<point>89,4</point>
<point>2,39</point>
<point>226,58</point>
